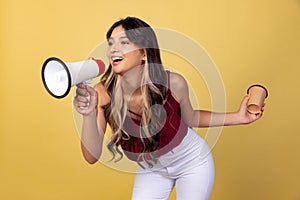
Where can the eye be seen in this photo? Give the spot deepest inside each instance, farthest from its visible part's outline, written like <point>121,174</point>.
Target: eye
<point>124,42</point>
<point>109,43</point>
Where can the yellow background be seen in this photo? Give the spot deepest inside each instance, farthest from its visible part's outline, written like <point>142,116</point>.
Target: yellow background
<point>250,41</point>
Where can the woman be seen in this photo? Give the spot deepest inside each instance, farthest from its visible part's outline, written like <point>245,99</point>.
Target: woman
<point>150,114</point>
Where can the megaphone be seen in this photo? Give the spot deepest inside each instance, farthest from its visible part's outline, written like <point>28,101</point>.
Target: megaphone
<point>58,76</point>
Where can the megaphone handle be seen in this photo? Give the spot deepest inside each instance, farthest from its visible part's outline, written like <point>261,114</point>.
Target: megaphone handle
<point>89,83</point>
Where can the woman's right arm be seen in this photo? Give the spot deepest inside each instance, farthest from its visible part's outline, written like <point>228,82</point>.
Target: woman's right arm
<point>94,122</point>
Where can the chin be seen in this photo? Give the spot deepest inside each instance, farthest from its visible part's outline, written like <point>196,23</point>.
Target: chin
<point>118,72</point>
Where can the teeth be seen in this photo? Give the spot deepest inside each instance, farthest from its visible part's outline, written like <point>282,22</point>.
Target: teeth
<point>117,58</point>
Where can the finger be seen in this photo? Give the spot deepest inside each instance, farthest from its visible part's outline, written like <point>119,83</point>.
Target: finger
<point>79,104</point>
<point>243,106</point>
<point>82,91</point>
<point>82,111</point>
<point>82,99</point>
<point>263,107</point>
<point>82,105</point>
<point>91,90</point>
<point>81,85</point>
<point>259,115</point>
<point>93,97</point>
<point>246,99</point>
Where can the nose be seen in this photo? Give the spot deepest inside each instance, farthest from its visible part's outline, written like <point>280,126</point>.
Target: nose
<point>114,48</point>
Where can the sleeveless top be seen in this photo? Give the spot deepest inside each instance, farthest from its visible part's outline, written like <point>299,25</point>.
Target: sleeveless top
<point>170,135</point>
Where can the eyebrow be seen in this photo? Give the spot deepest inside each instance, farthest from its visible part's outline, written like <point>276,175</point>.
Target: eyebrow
<point>122,37</point>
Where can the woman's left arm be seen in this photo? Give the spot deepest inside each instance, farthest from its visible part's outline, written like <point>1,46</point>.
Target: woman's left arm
<point>201,118</point>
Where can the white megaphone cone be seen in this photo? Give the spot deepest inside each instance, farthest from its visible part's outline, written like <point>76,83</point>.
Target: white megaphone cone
<point>58,77</point>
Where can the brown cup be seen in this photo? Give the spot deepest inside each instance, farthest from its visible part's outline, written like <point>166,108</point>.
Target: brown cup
<point>258,93</point>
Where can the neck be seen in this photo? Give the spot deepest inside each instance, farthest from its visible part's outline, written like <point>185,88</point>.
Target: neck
<point>131,81</point>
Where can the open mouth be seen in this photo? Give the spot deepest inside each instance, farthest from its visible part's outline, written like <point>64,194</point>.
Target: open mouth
<point>116,59</point>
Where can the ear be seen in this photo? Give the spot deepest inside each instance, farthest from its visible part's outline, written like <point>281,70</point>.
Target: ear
<point>143,51</point>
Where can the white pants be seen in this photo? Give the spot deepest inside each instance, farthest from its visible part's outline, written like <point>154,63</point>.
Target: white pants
<point>189,167</point>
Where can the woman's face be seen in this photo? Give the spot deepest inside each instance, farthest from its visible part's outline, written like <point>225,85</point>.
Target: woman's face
<point>122,53</point>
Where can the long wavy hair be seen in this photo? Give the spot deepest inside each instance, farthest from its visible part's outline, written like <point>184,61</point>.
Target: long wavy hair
<point>153,89</point>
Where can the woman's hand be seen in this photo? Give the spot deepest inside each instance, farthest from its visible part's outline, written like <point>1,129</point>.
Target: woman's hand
<point>86,100</point>
<point>246,117</point>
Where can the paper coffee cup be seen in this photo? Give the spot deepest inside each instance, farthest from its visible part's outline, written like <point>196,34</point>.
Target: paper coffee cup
<point>258,94</point>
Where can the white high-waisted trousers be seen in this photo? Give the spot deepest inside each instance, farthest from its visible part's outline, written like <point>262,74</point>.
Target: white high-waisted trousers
<point>189,167</point>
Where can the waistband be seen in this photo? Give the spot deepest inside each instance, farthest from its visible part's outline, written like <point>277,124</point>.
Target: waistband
<point>191,146</point>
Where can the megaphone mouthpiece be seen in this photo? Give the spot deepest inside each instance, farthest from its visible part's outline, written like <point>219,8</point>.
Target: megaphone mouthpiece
<point>100,64</point>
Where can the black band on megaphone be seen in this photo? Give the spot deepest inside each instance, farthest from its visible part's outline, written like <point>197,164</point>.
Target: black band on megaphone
<point>68,77</point>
